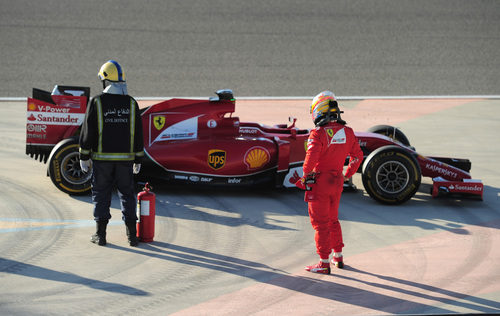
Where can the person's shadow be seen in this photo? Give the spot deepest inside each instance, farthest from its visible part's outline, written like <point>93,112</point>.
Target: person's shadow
<point>326,287</point>
<point>33,271</point>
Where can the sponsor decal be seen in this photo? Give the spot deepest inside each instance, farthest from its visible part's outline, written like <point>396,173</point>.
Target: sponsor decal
<point>47,108</point>
<point>32,137</point>
<point>338,138</point>
<point>441,170</point>
<point>180,177</point>
<point>194,178</point>
<point>256,157</point>
<point>292,176</point>
<point>211,124</point>
<point>183,130</point>
<point>159,121</point>
<point>216,158</point>
<point>205,179</point>
<point>56,118</point>
<point>36,128</point>
<point>234,180</point>
<point>459,187</point>
<point>248,130</point>
<point>361,143</point>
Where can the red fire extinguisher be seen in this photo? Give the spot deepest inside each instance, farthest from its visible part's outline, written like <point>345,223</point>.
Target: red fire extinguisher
<point>146,214</point>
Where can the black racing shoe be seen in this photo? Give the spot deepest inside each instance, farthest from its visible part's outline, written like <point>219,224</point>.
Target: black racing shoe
<point>100,235</point>
<point>100,240</point>
<point>132,234</point>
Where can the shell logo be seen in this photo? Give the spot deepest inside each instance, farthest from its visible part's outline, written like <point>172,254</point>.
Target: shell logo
<point>256,157</point>
<point>31,107</point>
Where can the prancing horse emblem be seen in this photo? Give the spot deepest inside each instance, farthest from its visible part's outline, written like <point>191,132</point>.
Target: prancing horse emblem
<point>159,121</point>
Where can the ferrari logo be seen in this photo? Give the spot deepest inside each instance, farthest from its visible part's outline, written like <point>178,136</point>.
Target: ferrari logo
<point>159,121</point>
<point>329,132</point>
<point>216,158</point>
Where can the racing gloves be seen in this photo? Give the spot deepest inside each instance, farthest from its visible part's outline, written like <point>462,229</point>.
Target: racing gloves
<point>137,168</point>
<point>85,165</point>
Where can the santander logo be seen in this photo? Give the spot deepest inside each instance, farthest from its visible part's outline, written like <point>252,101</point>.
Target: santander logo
<point>466,187</point>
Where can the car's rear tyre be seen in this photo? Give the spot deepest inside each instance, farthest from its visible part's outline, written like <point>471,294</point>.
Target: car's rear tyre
<point>392,132</point>
<point>64,168</point>
<point>391,175</point>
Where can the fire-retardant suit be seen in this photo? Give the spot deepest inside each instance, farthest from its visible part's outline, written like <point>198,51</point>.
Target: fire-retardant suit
<point>329,144</point>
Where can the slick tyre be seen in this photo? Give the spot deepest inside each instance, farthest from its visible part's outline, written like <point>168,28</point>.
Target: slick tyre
<point>64,168</point>
<point>391,175</point>
<point>392,132</point>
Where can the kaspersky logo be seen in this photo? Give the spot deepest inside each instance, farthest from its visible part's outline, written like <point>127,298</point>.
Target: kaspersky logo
<point>216,158</point>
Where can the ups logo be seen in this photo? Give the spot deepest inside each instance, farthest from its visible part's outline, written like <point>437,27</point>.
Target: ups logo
<point>216,158</point>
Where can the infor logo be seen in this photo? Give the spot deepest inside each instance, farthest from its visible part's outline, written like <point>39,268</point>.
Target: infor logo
<point>216,158</point>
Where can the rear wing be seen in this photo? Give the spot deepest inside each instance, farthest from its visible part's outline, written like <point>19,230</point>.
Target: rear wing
<point>52,117</point>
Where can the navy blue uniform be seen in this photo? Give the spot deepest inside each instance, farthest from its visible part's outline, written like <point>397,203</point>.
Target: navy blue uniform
<point>111,136</point>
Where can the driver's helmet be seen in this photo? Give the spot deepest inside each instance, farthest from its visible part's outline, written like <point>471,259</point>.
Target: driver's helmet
<point>111,71</point>
<point>322,104</point>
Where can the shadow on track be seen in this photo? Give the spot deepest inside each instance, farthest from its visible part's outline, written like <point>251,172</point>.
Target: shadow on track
<point>32,271</point>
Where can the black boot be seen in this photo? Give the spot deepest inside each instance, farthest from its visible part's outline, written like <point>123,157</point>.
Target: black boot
<point>100,235</point>
<point>132,233</point>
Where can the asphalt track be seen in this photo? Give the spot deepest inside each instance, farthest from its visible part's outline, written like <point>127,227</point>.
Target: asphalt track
<point>226,252</point>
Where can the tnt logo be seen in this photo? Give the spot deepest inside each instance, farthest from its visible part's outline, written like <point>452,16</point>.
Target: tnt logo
<point>216,158</point>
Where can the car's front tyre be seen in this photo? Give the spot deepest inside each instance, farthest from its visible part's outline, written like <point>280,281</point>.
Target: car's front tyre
<point>391,175</point>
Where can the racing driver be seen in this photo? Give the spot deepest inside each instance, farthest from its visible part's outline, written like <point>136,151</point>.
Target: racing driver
<point>329,144</point>
<point>111,137</point>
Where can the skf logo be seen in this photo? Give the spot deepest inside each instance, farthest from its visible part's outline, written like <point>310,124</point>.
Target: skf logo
<point>216,158</point>
<point>159,121</point>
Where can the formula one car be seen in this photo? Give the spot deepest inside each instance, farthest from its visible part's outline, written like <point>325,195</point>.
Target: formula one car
<point>195,141</point>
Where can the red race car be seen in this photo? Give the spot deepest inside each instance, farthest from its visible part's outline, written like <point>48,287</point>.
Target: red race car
<point>195,141</point>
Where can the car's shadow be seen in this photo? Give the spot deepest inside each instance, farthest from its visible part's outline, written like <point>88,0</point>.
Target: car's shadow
<point>257,206</point>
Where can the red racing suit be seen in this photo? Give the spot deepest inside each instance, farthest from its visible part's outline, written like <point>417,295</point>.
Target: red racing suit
<point>327,149</point>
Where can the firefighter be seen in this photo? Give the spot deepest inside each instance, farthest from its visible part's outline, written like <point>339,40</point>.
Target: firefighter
<point>328,146</point>
<point>111,145</point>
